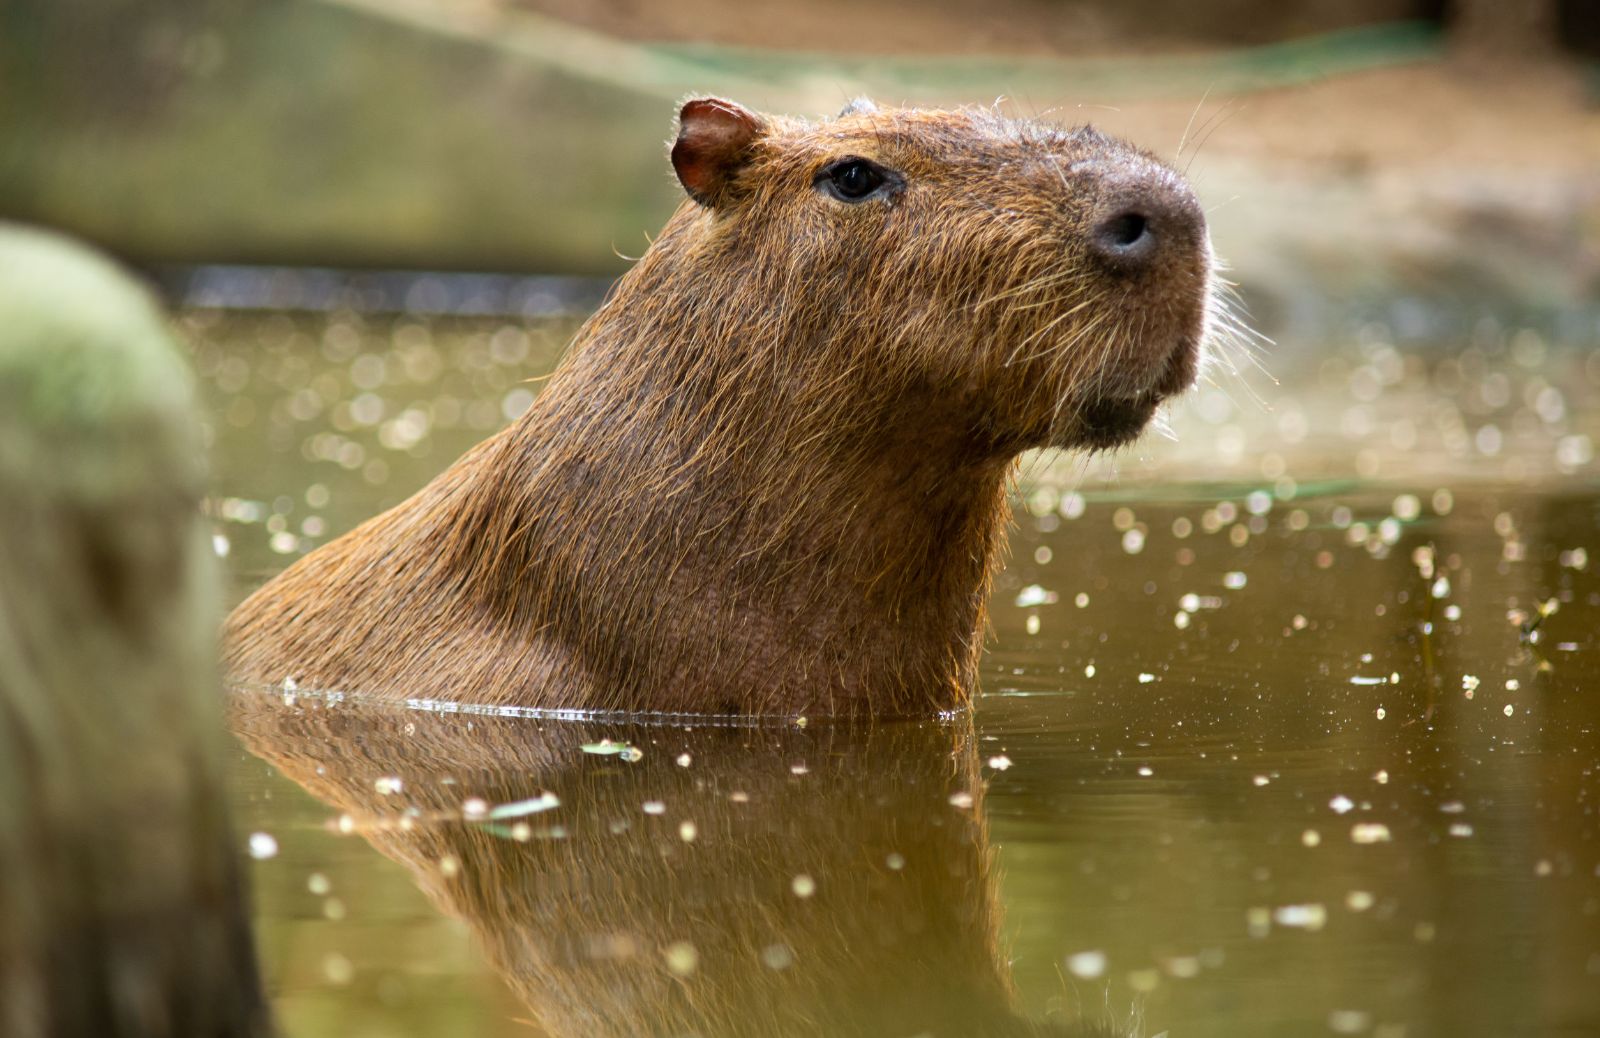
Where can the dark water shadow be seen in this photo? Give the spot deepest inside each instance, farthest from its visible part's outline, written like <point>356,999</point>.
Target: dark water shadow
<point>731,881</point>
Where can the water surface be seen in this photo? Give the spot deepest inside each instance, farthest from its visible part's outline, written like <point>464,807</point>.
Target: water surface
<point>1288,728</point>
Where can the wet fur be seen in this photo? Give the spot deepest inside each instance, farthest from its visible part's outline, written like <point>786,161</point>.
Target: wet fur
<point>770,476</point>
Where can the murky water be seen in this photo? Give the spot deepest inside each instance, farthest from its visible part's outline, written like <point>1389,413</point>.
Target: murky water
<point>1290,729</point>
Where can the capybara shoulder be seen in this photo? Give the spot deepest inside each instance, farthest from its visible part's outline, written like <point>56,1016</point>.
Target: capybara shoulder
<point>769,476</point>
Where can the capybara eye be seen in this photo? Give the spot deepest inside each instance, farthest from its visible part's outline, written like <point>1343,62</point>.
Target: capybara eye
<point>854,179</point>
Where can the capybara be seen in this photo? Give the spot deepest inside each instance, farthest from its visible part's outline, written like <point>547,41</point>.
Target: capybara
<point>770,475</point>
<point>733,882</point>
<point>121,912</point>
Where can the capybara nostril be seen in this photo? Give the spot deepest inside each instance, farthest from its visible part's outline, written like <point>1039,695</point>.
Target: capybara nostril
<point>1126,236</point>
<point>1143,218</point>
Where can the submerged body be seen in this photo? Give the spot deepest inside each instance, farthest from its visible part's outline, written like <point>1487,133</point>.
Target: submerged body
<point>912,947</point>
<point>770,475</point>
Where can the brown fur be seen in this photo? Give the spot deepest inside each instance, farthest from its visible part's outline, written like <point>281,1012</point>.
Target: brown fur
<point>770,476</point>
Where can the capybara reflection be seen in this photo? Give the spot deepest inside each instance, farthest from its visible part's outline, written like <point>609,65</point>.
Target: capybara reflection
<point>761,882</point>
<point>770,475</point>
<point>121,914</point>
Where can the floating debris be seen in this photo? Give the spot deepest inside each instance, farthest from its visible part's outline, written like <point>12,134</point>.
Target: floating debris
<point>1034,595</point>
<point>1312,917</point>
<point>682,958</point>
<point>611,748</point>
<point>1530,627</point>
<point>520,808</point>
<point>1087,965</point>
<point>521,832</point>
<point>263,846</point>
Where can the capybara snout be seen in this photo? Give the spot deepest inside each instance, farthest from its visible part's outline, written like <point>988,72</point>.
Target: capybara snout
<point>1020,273</point>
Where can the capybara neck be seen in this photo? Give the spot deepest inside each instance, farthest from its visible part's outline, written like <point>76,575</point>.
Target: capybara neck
<point>769,533</point>
<point>770,475</point>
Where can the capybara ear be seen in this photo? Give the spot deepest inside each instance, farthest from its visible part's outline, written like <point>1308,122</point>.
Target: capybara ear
<point>714,138</point>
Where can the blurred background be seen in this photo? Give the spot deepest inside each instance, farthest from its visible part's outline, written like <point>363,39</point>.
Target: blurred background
<point>374,220</point>
<point>1350,151</point>
<point>1395,185</point>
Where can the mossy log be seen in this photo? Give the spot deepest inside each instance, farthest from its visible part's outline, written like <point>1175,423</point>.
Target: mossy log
<point>121,912</point>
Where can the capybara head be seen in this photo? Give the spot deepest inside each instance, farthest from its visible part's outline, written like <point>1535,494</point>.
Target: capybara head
<point>1027,285</point>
